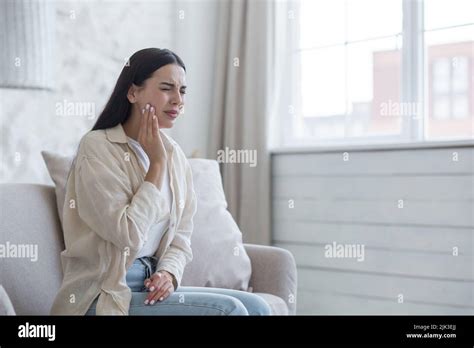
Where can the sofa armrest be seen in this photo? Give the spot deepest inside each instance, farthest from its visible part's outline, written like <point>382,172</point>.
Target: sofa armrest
<point>6,307</point>
<point>273,272</point>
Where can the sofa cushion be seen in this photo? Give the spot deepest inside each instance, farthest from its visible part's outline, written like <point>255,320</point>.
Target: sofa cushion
<point>219,257</point>
<point>6,307</point>
<point>32,240</point>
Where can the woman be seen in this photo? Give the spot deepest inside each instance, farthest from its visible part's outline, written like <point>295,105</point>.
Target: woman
<point>130,202</point>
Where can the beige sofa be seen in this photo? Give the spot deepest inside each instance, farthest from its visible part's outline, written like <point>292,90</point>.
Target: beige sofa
<point>29,216</point>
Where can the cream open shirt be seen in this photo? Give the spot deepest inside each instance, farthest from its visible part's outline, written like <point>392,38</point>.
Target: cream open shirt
<point>107,214</point>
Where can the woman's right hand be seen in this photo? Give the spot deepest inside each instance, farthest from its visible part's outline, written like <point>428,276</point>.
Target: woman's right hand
<point>149,136</point>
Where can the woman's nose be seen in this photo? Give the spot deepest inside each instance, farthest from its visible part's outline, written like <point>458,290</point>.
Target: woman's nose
<point>177,98</point>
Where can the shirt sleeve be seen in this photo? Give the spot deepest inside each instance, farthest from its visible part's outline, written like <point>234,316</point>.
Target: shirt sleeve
<point>106,203</point>
<point>179,252</point>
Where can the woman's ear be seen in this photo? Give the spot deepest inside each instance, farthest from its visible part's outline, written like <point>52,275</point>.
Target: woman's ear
<point>132,93</point>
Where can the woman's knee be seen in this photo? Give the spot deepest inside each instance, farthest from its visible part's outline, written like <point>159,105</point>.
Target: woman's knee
<point>221,304</point>
<point>234,306</point>
<point>257,305</point>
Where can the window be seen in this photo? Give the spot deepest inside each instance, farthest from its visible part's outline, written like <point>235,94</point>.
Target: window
<point>449,99</point>
<point>449,51</point>
<point>383,71</point>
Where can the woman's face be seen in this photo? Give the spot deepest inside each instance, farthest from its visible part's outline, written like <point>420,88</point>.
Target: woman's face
<point>164,90</point>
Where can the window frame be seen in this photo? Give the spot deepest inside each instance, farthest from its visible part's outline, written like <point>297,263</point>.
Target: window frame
<point>414,74</point>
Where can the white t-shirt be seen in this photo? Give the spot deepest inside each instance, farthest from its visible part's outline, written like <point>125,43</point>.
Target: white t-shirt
<point>158,230</point>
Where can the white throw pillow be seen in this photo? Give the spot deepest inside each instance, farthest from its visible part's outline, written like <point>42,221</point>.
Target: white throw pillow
<point>58,168</point>
<point>6,307</point>
<point>219,257</point>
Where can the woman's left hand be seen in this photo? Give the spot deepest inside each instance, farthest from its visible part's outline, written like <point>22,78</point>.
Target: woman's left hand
<point>160,286</point>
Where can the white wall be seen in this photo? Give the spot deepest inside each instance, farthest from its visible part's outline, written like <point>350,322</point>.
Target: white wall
<point>93,40</point>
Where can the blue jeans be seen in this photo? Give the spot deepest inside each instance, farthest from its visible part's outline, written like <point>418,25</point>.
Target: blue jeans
<point>187,300</point>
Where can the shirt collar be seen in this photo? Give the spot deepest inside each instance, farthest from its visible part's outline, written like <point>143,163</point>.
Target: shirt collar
<point>117,135</point>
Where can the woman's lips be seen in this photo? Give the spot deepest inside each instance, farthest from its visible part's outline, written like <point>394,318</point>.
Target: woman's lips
<point>171,114</point>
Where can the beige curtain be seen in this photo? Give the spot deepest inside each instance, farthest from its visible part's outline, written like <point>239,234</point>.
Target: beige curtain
<point>246,99</point>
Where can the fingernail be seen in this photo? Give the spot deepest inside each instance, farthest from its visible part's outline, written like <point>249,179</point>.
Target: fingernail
<point>143,111</point>
<point>147,106</point>
<point>161,298</point>
<point>152,109</point>
<point>152,302</point>
<point>152,288</point>
<point>146,301</point>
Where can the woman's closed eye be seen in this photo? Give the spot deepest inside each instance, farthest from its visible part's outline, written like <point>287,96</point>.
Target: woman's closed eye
<point>167,89</point>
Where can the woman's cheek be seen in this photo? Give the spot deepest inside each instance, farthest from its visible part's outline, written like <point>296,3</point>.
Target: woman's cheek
<point>161,100</point>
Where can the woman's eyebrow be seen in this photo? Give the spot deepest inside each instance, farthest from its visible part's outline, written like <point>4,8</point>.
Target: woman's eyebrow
<point>171,84</point>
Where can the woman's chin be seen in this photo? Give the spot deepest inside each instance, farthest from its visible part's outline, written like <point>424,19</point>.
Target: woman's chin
<point>166,124</point>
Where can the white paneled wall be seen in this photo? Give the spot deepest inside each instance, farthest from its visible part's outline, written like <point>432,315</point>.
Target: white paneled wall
<point>412,209</point>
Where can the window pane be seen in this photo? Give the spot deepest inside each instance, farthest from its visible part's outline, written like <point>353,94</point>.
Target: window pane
<point>441,71</point>
<point>441,108</point>
<point>349,89</point>
<point>374,72</point>
<point>445,13</point>
<point>448,36</point>
<point>322,23</point>
<point>449,55</point>
<point>460,74</point>
<point>460,107</point>
<point>323,82</point>
<point>373,18</point>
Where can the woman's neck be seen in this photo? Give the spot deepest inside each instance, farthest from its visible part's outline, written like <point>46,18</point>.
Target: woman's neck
<point>132,126</point>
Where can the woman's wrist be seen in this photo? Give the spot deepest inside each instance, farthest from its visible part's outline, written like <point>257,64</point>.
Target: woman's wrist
<point>169,276</point>
<point>155,174</point>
